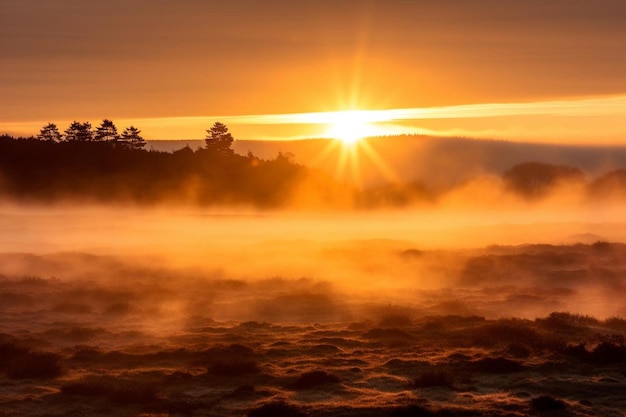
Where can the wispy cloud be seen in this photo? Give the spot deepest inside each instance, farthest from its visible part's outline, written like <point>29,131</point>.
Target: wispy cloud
<point>473,120</point>
<point>604,106</point>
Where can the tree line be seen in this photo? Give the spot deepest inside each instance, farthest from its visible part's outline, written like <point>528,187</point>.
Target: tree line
<point>100,166</point>
<point>83,132</point>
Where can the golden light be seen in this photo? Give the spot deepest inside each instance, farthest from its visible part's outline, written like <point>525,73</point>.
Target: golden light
<point>350,126</point>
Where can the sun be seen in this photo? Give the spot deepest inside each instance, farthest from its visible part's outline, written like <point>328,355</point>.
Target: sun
<point>350,126</point>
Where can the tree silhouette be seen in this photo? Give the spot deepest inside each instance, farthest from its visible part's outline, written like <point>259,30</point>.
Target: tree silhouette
<point>131,138</point>
<point>120,171</point>
<point>218,139</point>
<point>106,132</point>
<point>80,132</point>
<point>537,179</point>
<point>50,133</point>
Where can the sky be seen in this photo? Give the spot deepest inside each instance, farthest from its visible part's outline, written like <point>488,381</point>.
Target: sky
<point>529,70</point>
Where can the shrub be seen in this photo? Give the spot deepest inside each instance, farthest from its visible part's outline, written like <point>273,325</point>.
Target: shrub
<point>314,379</point>
<point>565,320</point>
<point>616,323</point>
<point>34,365</point>
<point>430,379</point>
<point>395,316</point>
<point>232,360</point>
<point>497,366</point>
<point>547,403</point>
<point>608,353</point>
<point>505,333</point>
<point>605,353</point>
<point>518,350</point>
<point>8,352</point>
<point>233,367</point>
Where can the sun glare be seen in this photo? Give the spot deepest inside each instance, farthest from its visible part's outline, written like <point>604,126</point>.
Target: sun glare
<point>350,126</point>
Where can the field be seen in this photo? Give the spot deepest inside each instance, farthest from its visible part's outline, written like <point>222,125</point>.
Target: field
<point>162,314</point>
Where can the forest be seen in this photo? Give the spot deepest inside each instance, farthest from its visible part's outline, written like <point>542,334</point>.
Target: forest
<point>106,168</point>
<point>102,166</point>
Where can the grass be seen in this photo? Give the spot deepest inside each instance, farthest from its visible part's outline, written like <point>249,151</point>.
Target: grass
<point>566,320</point>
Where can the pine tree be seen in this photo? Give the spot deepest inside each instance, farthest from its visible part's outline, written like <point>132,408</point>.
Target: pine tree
<point>106,132</point>
<point>50,133</point>
<point>80,132</point>
<point>131,138</point>
<point>218,139</point>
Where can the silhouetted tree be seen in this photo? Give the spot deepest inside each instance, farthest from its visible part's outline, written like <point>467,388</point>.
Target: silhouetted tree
<point>610,185</point>
<point>218,139</point>
<point>131,138</point>
<point>106,132</point>
<point>50,133</point>
<point>80,132</point>
<point>537,179</point>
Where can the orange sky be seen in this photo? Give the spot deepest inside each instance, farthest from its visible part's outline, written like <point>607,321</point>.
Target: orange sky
<point>157,63</point>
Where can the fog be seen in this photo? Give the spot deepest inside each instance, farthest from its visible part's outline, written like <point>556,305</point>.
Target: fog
<point>240,312</point>
<point>176,265</point>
